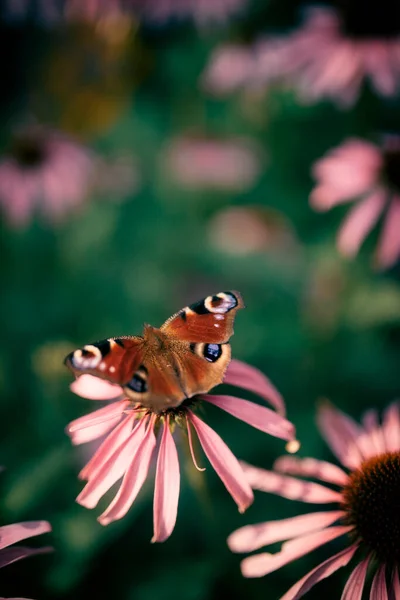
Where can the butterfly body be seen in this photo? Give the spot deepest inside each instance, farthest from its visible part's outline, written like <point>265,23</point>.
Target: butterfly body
<point>187,355</point>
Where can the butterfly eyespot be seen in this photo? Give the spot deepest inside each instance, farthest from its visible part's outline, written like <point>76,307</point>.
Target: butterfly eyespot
<point>212,352</point>
<point>137,384</point>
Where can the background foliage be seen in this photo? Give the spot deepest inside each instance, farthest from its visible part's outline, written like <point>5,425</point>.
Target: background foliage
<point>317,325</point>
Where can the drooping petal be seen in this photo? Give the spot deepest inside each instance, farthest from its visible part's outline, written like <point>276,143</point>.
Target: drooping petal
<point>262,564</point>
<point>378,588</point>
<point>88,434</point>
<point>341,433</point>
<point>249,378</point>
<point>324,570</point>
<point>108,447</point>
<point>94,388</point>
<point>359,222</point>
<point>133,480</point>
<point>395,589</point>
<point>311,467</point>
<point>11,534</point>
<point>253,537</point>
<point>289,487</point>
<point>224,463</point>
<point>166,490</point>
<point>98,417</point>
<point>347,172</point>
<point>391,427</point>
<point>389,246</point>
<point>113,469</point>
<point>11,555</point>
<point>355,584</point>
<point>257,416</point>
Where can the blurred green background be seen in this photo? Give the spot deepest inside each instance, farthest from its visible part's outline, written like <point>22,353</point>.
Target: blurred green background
<point>317,325</point>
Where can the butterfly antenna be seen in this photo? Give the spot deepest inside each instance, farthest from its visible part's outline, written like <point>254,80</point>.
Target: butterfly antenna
<point>191,446</point>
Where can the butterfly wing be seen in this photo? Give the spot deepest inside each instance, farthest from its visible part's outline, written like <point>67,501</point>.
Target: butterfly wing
<point>188,355</point>
<point>203,366</point>
<point>114,359</point>
<point>209,321</point>
<point>203,330</point>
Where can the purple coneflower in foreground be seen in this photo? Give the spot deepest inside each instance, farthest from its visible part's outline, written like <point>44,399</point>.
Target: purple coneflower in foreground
<point>328,56</point>
<point>367,499</point>
<point>12,534</point>
<point>131,444</point>
<point>44,171</point>
<point>359,170</point>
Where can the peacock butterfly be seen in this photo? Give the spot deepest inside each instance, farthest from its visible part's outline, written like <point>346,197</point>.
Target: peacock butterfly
<point>187,355</point>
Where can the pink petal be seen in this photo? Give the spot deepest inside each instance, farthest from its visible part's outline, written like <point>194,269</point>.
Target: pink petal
<point>88,434</point>
<point>374,439</point>
<point>11,555</point>
<point>224,463</point>
<point>359,222</point>
<point>95,388</point>
<point>310,467</point>
<point>253,537</point>
<point>345,173</point>
<point>341,433</point>
<point>378,589</point>
<point>98,417</point>
<point>324,196</point>
<point>391,427</point>
<point>247,377</point>
<point>355,584</point>
<point>166,491</point>
<point>260,417</point>
<point>108,447</point>
<point>262,564</point>
<point>389,245</point>
<point>324,570</point>
<point>133,480</point>
<point>289,487</point>
<point>395,585</point>
<point>112,469</point>
<point>11,534</point>
<point>377,63</point>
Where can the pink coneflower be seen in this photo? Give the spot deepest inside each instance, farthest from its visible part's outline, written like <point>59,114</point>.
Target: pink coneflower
<point>12,534</point>
<point>131,444</point>
<point>211,163</point>
<point>331,53</point>
<point>367,502</point>
<point>230,67</point>
<point>359,170</point>
<point>245,230</point>
<point>44,171</point>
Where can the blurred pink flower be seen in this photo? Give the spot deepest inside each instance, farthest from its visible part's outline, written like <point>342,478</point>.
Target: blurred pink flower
<point>226,165</point>
<point>230,67</point>
<point>131,445</point>
<point>245,230</point>
<point>45,170</point>
<point>358,170</point>
<point>328,56</point>
<point>367,507</point>
<point>12,534</point>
